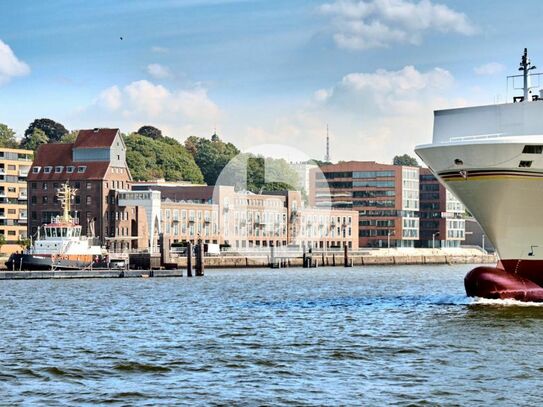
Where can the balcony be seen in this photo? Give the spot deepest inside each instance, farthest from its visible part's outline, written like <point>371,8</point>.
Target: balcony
<point>23,173</point>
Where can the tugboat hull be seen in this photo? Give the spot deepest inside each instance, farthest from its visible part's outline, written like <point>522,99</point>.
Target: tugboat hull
<point>36,262</point>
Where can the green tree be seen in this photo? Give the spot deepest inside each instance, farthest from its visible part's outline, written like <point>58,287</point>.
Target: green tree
<point>24,243</point>
<point>53,130</point>
<point>34,140</point>
<point>211,155</point>
<point>165,158</point>
<point>405,160</point>
<point>3,240</point>
<point>150,131</point>
<point>69,137</point>
<point>7,137</point>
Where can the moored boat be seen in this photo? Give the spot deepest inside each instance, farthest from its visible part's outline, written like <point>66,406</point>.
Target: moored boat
<point>60,244</point>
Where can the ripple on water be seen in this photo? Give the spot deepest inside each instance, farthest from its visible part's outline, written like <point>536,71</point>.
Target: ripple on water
<point>138,367</point>
<point>358,336</point>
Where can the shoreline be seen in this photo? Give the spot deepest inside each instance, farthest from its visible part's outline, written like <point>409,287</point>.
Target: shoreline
<point>383,257</point>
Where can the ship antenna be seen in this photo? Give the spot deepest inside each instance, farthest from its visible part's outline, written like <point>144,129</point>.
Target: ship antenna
<point>526,66</point>
<point>327,155</point>
<point>65,195</point>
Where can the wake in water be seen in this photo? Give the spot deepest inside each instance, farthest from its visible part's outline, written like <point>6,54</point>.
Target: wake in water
<point>505,302</point>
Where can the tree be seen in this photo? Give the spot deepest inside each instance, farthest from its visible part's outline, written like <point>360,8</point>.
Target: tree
<point>165,158</point>
<point>70,137</point>
<point>53,130</point>
<point>405,160</point>
<point>150,131</point>
<point>211,155</point>
<point>24,243</point>
<point>34,140</point>
<point>2,241</point>
<point>7,137</point>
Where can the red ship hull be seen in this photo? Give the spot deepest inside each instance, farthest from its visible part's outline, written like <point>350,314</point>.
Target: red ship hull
<point>511,279</point>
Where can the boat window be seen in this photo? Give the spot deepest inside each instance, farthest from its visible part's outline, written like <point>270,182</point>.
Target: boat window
<point>64,230</point>
<point>47,232</point>
<point>53,232</point>
<point>525,164</point>
<point>532,150</point>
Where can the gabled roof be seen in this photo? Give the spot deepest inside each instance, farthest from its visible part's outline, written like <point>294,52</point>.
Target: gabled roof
<point>61,155</point>
<point>95,138</point>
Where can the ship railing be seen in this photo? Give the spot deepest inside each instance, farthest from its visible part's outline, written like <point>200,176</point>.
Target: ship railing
<point>476,137</point>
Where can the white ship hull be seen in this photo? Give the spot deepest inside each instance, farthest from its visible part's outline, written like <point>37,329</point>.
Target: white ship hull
<point>506,200</point>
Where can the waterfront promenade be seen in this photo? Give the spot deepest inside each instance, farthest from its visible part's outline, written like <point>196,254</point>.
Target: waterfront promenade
<point>281,259</point>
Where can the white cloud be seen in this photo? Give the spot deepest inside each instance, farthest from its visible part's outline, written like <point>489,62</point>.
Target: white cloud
<point>110,98</point>
<point>372,115</point>
<point>364,24</point>
<point>492,68</point>
<point>388,92</point>
<point>10,65</point>
<point>178,112</point>
<point>159,50</point>
<point>159,71</point>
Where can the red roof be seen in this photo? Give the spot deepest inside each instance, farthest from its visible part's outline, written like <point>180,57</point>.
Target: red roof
<point>95,138</point>
<point>61,155</point>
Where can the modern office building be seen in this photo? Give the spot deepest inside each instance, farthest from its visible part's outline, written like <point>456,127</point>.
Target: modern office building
<point>386,198</point>
<point>441,214</point>
<point>95,165</point>
<point>303,170</point>
<point>14,167</point>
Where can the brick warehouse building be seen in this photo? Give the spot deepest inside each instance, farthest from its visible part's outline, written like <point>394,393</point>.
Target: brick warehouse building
<point>95,164</point>
<point>385,196</point>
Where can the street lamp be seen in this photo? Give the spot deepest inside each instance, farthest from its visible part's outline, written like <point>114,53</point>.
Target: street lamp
<point>390,232</point>
<point>434,239</point>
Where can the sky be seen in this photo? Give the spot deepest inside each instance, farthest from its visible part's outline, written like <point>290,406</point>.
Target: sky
<point>262,72</point>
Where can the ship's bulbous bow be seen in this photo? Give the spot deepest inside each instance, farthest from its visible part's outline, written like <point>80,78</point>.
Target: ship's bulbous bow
<point>496,283</point>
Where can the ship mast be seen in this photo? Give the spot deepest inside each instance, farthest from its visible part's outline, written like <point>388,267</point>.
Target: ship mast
<point>65,195</point>
<point>526,66</point>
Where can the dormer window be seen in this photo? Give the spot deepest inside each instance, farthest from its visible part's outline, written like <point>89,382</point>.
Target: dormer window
<point>36,170</point>
<point>47,170</point>
<point>70,169</point>
<point>81,169</point>
<point>58,169</point>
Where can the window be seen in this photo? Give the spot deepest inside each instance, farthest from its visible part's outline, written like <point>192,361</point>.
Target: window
<point>525,164</point>
<point>44,199</point>
<point>89,199</point>
<point>70,169</point>
<point>34,185</point>
<point>47,170</point>
<point>89,185</point>
<point>81,169</point>
<point>36,170</point>
<point>58,169</point>
<point>77,185</point>
<point>532,150</point>
<point>33,200</point>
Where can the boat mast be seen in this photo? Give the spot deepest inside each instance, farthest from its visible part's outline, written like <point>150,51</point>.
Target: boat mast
<point>65,195</point>
<point>526,67</point>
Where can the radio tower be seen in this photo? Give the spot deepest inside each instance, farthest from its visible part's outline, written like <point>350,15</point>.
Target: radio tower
<point>327,155</point>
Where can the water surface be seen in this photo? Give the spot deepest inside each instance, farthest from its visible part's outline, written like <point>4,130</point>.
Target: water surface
<point>361,336</point>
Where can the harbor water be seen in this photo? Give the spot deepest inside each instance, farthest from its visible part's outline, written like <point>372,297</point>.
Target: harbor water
<point>397,335</point>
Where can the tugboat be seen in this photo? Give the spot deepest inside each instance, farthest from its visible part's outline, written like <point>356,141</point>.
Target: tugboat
<point>60,244</point>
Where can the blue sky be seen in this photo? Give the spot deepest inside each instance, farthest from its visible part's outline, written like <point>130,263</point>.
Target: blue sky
<point>262,71</point>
